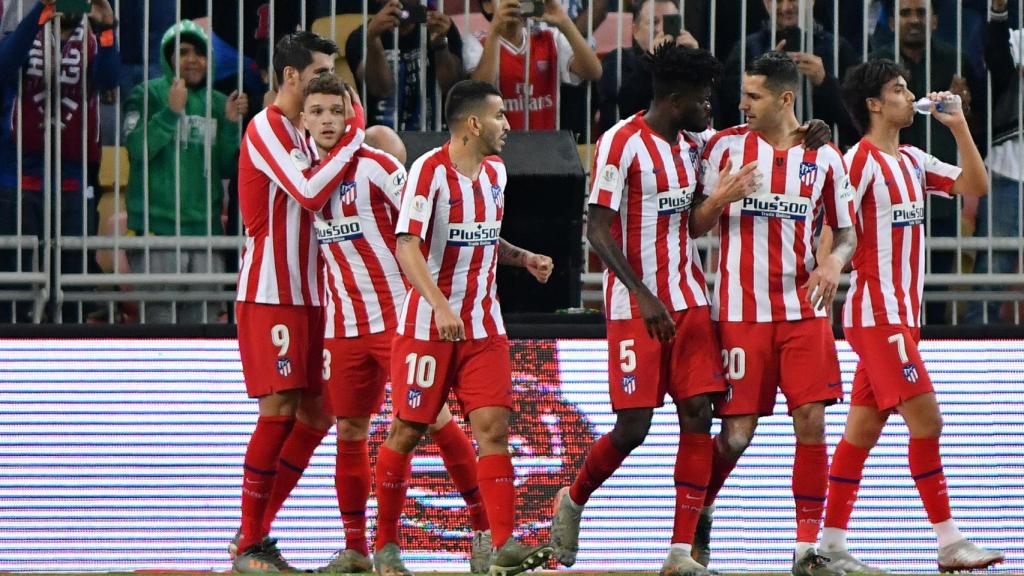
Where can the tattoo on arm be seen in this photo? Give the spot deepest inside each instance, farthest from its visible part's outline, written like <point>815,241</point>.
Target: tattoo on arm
<point>406,238</point>
<point>510,255</point>
<point>844,242</point>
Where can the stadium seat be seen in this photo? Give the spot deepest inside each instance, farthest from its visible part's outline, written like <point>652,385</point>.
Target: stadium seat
<point>108,168</point>
<point>344,24</point>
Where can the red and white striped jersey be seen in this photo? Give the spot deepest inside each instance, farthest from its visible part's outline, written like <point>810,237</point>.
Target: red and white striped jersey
<point>888,266</point>
<point>459,222</point>
<point>651,183</point>
<point>279,188</point>
<point>356,232</point>
<point>767,238</point>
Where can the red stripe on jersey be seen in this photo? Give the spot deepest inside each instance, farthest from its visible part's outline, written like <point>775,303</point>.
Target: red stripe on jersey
<point>489,325</point>
<point>446,275</point>
<point>750,146</point>
<point>279,217</point>
<point>385,215</point>
<point>660,245</point>
<point>305,255</point>
<point>800,230</point>
<point>897,236</point>
<point>780,165</point>
<point>723,248</point>
<point>915,235</point>
<point>472,282</point>
<point>867,237</point>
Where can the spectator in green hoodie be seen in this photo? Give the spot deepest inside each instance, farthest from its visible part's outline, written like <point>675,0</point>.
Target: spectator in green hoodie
<point>179,130</point>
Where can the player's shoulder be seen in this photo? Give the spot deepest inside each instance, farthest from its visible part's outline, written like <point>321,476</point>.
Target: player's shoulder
<point>727,136</point>
<point>377,158</point>
<point>913,151</point>
<point>618,136</point>
<point>831,154</point>
<point>859,156</point>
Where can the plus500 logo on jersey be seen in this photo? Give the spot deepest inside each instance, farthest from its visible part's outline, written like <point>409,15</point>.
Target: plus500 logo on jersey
<point>474,233</point>
<point>908,214</point>
<point>342,229</point>
<point>675,200</point>
<point>776,206</point>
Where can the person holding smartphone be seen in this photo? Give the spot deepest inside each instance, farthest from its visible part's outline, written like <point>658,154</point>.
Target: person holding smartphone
<point>558,54</point>
<point>634,92</point>
<point>399,22</point>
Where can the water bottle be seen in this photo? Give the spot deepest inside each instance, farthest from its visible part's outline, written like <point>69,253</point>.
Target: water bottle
<point>949,105</point>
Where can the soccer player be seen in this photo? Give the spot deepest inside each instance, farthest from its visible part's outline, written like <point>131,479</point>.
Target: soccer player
<point>881,316</point>
<point>356,235</point>
<point>771,301</point>
<point>279,305</point>
<point>450,331</point>
<point>660,337</point>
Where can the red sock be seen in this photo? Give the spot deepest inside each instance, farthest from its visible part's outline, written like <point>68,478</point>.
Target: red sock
<point>460,460</point>
<point>721,467</point>
<point>498,488</point>
<point>810,482</point>
<point>352,483</point>
<point>926,468</point>
<point>843,483</point>
<point>295,455</point>
<point>602,461</point>
<point>258,474</point>
<point>693,469</point>
<point>392,481</point>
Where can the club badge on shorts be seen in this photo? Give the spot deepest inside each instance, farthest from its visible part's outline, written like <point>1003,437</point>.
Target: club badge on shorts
<point>910,373</point>
<point>629,383</point>
<point>414,398</point>
<point>284,367</point>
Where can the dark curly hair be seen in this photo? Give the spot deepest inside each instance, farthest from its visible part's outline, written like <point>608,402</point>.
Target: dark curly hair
<point>296,50</point>
<point>674,68</point>
<point>865,81</point>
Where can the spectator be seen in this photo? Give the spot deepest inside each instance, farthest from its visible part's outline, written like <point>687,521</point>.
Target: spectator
<point>634,93</point>
<point>177,105</point>
<point>78,43</point>
<point>558,53</point>
<point>577,11</point>
<point>1005,159</point>
<point>443,58</point>
<point>942,218</point>
<point>817,67</point>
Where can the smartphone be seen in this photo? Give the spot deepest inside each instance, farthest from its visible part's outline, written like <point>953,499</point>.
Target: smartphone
<point>414,14</point>
<point>672,24</point>
<point>74,6</point>
<point>532,8</point>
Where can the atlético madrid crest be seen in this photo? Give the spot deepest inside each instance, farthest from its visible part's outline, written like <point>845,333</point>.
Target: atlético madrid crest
<point>629,383</point>
<point>910,373</point>
<point>348,192</point>
<point>496,194</point>
<point>808,173</point>
<point>284,367</point>
<point>414,398</point>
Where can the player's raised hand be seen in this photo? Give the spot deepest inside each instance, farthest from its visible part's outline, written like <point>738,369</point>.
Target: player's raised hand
<point>951,115</point>
<point>733,186</point>
<point>449,326</point>
<point>540,266</point>
<point>656,317</point>
<point>816,134</point>
<point>823,283</point>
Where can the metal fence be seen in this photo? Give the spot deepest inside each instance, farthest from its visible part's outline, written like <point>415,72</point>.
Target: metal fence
<point>81,245</point>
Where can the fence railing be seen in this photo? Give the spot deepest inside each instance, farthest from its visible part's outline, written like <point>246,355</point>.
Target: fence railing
<point>113,210</point>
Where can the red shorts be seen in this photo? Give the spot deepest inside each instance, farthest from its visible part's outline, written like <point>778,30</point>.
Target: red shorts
<point>355,374</point>
<point>281,347</point>
<point>642,369</point>
<point>890,370</point>
<point>760,357</point>
<point>423,372</point>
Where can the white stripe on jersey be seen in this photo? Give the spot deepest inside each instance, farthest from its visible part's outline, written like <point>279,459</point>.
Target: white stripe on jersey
<point>887,283</point>
<point>367,260</point>
<point>766,250</point>
<point>460,225</point>
<point>650,183</point>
